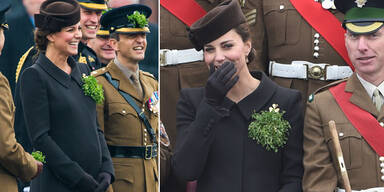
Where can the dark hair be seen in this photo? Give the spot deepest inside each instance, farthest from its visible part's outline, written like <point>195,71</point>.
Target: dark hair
<point>244,32</point>
<point>41,40</point>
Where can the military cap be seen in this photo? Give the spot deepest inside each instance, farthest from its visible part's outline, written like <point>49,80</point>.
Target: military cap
<point>93,4</point>
<point>4,6</point>
<point>57,14</point>
<point>362,16</point>
<point>102,31</point>
<point>127,19</point>
<point>218,21</point>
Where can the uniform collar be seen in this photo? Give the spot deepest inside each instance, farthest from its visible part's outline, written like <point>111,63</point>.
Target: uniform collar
<point>127,72</point>
<point>369,87</point>
<point>58,74</point>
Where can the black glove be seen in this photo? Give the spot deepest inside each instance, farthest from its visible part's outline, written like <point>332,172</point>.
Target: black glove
<point>87,184</point>
<point>220,82</point>
<point>104,179</point>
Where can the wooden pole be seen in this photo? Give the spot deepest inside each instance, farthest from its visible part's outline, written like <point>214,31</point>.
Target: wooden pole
<point>339,154</point>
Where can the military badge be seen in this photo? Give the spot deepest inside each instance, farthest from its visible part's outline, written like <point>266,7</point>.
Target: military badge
<point>91,59</point>
<point>360,3</point>
<point>327,4</point>
<point>153,103</point>
<point>82,60</point>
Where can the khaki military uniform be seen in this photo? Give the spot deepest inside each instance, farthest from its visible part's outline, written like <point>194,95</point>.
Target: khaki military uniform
<point>322,172</point>
<point>288,37</point>
<point>14,161</point>
<point>122,127</point>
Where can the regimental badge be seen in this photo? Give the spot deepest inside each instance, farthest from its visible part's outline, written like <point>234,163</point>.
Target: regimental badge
<point>328,4</point>
<point>360,3</point>
<point>91,59</point>
<point>82,59</point>
<point>153,103</point>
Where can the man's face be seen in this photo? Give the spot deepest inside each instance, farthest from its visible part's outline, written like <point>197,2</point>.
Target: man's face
<point>90,22</point>
<point>131,46</point>
<point>366,52</point>
<point>32,6</point>
<point>102,46</point>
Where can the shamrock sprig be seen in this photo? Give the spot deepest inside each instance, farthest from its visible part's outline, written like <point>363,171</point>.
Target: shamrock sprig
<point>93,89</point>
<point>269,128</point>
<point>38,155</point>
<point>139,19</point>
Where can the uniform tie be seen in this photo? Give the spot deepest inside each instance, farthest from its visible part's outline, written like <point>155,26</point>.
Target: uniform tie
<point>377,99</point>
<point>137,85</point>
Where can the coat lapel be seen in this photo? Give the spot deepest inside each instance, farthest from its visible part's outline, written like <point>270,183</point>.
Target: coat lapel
<point>53,71</point>
<point>124,83</point>
<point>258,98</point>
<point>360,96</point>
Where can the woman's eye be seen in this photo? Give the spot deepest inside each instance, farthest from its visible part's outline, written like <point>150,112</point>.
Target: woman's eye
<point>228,45</point>
<point>208,49</point>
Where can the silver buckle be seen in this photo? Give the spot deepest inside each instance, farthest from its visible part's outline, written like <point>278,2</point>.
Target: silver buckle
<point>148,152</point>
<point>162,57</point>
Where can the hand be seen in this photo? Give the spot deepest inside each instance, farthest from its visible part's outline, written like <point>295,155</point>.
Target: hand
<point>39,168</point>
<point>104,179</point>
<point>220,82</point>
<point>87,184</point>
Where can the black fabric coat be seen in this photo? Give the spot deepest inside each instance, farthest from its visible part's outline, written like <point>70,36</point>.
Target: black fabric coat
<point>62,124</point>
<point>215,149</point>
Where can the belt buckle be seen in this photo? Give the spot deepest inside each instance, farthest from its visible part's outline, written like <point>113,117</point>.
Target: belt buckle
<point>315,72</point>
<point>148,152</point>
<point>162,57</point>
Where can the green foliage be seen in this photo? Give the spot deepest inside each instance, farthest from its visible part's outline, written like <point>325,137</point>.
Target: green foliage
<point>38,155</point>
<point>93,89</point>
<point>138,19</point>
<point>269,128</point>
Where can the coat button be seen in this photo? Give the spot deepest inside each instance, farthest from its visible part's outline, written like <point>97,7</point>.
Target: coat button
<point>317,35</point>
<point>382,178</point>
<point>316,41</point>
<point>382,171</point>
<point>281,7</point>
<point>124,112</point>
<point>145,130</point>
<point>382,165</point>
<point>381,158</point>
<point>316,48</point>
<point>382,124</point>
<point>316,54</point>
<point>341,134</point>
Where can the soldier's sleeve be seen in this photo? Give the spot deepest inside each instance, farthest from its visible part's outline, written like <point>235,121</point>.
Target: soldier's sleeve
<point>12,155</point>
<point>253,11</point>
<point>319,173</point>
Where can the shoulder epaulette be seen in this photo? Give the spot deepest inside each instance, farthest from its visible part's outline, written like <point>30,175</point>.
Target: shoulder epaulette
<point>99,71</point>
<point>148,74</point>
<point>21,63</point>
<point>326,87</point>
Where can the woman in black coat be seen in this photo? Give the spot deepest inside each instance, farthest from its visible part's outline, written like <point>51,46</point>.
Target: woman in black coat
<point>60,118</point>
<point>214,144</point>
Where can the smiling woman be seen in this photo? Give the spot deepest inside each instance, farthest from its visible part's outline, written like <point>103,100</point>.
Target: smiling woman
<point>56,109</point>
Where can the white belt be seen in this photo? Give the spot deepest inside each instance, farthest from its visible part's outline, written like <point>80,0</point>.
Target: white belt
<point>174,57</point>
<point>308,70</point>
<point>376,189</point>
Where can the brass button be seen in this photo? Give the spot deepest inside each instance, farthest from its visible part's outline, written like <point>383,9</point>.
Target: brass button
<point>316,72</point>
<point>341,134</point>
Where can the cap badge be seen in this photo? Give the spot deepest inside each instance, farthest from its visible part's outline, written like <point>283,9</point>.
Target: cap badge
<point>360,3</point>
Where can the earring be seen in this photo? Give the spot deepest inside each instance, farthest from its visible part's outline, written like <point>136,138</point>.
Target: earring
<point>246,59</point>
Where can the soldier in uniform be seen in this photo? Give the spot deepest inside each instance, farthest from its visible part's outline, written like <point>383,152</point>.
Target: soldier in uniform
<point>355,104</point>
<point>102,46</point>
<point>296,52</point>
<point>177,71</point>
<point>129,113</point>
<point>14,161</point>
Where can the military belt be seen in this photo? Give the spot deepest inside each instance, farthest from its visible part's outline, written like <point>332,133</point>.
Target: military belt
<point>376,189</point>
<point>175,57</point>
<point>145,152</point>
<point>308,70</point>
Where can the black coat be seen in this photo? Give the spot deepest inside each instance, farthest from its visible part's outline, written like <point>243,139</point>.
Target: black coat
<point>217,151</point>
<point>62,124</point>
